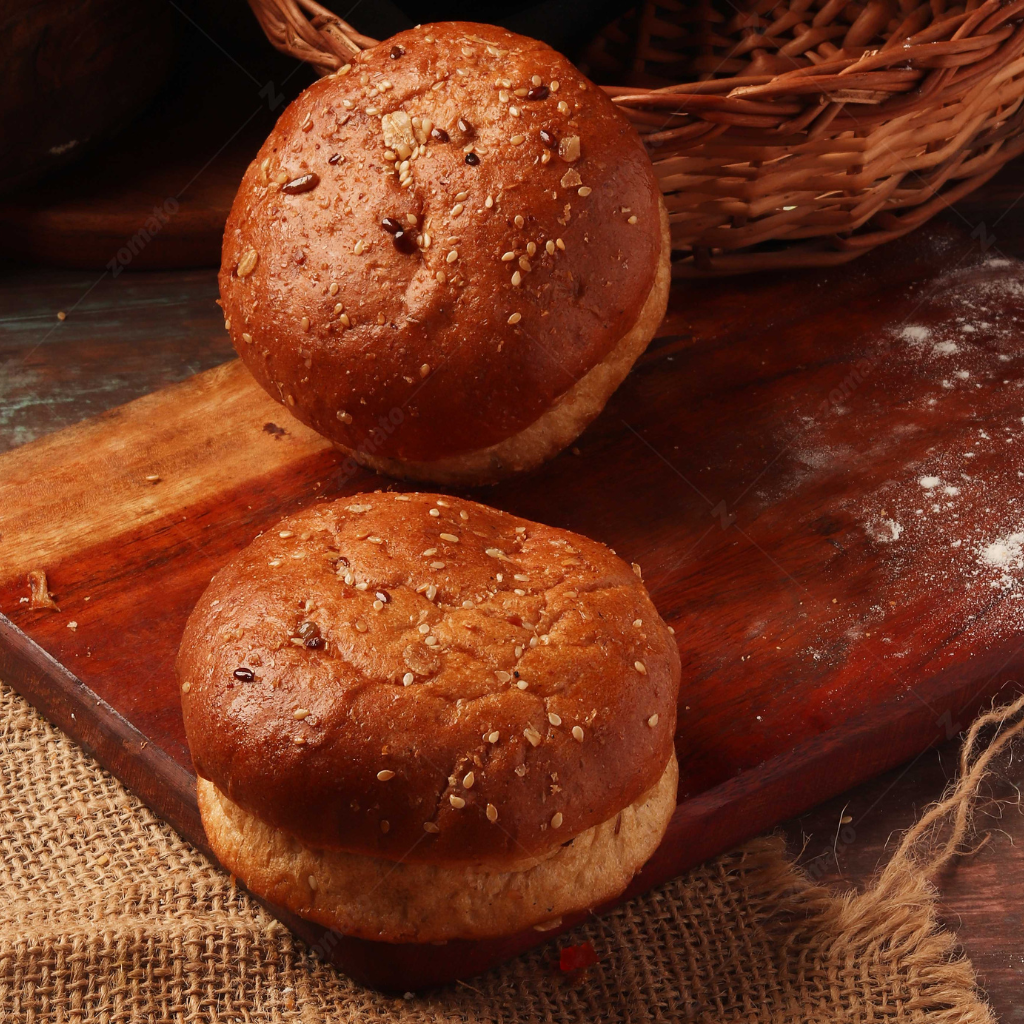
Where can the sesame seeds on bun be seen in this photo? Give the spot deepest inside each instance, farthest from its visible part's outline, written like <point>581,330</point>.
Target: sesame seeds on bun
<point>421,679</point>
<point>457,236</point>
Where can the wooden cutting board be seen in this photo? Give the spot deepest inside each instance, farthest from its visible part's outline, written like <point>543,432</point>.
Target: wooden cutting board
<point>821,476</point>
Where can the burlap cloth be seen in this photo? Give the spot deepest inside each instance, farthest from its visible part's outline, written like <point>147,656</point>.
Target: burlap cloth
<point>106,915</point>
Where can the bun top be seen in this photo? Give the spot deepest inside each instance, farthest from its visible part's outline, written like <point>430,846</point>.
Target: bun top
<point>459,227</point>
<point>419,677</point>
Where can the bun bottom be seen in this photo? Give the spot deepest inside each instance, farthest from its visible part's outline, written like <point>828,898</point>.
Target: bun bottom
<point>564,421</point>
<point>394,901</point>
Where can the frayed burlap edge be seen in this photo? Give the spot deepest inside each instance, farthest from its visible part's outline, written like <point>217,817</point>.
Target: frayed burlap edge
<point>107,915</point>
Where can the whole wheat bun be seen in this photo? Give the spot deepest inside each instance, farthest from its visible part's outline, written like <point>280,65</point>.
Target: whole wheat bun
<point>420,678</point>
<point>413,902</point>
<point>446,257</point>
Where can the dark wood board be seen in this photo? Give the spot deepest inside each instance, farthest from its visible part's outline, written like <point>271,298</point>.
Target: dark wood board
<point>751,463</point>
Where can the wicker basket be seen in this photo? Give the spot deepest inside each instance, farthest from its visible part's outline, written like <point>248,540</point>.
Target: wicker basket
<point>793,133</point>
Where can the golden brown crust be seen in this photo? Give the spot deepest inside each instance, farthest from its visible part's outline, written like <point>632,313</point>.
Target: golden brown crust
<point>528,656</point>
<point>442,353</point>
<point>411,902</point>
<point>559,425</point>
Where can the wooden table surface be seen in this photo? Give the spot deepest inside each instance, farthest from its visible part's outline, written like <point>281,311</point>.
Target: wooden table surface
<point>127,336</point>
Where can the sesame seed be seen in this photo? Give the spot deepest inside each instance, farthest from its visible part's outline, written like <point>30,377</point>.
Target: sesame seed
<point>515,317</point>
<point>456,801</point>
<point>519,592</point>
<point>450,537</point>
<point>508,257</point>
<point>437,565</point>
<point>424,627</point>
<point>519,222</point>
<point>344,319</point>
<point>452,256</point>
<point>425,370</point>
<point>517,140</point>
<point>521,92</point>
<point>339,308</point>
<point>300,714</point>
<point>638,622</point>
<point>467,604</point>
<point>464,515</point>
<point>517,279</point>
<point>360,626</point>
<point>385,825</point>
<point>550,247</point>
<point>359,247</point>
<point>345,417</point>
<point>377,605</point>
<point>556,819</point>
<point>431,641</point>
<point>554,719</point>
<point>531,250</point>
<point>468,779</point>
<point>492,813</point>
<point>305,323</point>
<point>652,721</point>
<point>563,107</point>
<point>522,684</point>
<point>429,551</point>
<point>457,209</point>
<point>493,737</point>
<point>524,263</point>
<point>247,338</point>
<point>333,289</point>
<point>298,740</point>
<point>640,667</point>
<point>435,512</point>
<point>489,202</point>
<point>286,533</point>
<point>532,735</point>
<point>440,275</point>
<point>632,220</point>
<point>514,111</point>
<point>408,679</point>
<point>274,563</point>
<point>247,264</point>
<point>429,826</point>
<point>502,676</point>
<point>577,734</point>
<point>554,86</point>
<point>494,552</point>
<point>637,571</point>
<point>386,775</point>
<point>312,882</point>
<point>185,687</point>
<point>584,191</point>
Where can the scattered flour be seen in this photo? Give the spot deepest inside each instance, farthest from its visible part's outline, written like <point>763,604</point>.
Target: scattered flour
<point>884,531</point>
<point>945,348</point>
<point>929,482</point>
<point>916,334</point>
<point>1004,553</point>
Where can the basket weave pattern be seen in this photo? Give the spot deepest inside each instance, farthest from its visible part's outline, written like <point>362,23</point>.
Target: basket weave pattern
<point>787,133</point>
<point>830,125</point>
